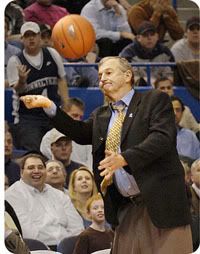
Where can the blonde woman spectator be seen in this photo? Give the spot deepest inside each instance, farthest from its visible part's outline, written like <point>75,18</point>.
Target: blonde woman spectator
<point>82,186</point>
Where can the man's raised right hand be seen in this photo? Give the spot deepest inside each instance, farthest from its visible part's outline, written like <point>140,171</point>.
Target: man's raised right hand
<point>36,101</point>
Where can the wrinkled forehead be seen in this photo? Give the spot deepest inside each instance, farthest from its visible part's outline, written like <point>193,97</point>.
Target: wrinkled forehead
<point>110,64</point>
<point>53,164</point>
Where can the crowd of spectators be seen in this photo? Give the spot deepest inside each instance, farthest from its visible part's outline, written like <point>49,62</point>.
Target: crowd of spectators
<point>51,186</point>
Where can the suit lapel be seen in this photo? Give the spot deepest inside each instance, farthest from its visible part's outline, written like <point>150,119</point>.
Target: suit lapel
<point>131,113</point>
<point>102,126</point>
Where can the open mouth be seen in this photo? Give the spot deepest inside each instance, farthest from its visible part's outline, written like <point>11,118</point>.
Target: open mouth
<point>36,177</point>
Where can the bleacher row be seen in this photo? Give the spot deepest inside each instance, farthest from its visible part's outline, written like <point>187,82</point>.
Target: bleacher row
<point>93,97</point>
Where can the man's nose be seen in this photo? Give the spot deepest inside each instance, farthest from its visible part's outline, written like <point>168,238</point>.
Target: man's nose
<point>36,170</point>
<point>103,77</point>
<point>55,170</point>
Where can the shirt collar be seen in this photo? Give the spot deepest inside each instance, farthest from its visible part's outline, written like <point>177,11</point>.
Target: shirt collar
<point>125,100</point>
<point>99,5</point>
<point>33,189</point>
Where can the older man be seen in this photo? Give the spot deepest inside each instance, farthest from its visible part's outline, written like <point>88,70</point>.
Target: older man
<point>134,146</point>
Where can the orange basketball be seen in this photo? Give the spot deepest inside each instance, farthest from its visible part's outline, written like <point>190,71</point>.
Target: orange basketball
<point>73,36</point>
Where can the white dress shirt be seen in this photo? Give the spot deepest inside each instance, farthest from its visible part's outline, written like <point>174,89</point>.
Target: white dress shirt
<point>48,216</point>
<point>106,23</point>
<point>124,181</point>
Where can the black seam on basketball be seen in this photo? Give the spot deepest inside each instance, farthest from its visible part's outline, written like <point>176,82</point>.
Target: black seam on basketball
<point>83,51</point>
<point>68,41</point>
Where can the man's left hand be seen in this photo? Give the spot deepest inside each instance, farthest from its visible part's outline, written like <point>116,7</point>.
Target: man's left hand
<point>112,162</point>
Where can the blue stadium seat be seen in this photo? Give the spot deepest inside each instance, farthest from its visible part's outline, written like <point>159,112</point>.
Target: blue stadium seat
<point>34,244</point>
<point>66,246</point>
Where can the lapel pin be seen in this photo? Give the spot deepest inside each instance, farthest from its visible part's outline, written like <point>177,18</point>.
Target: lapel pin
<point>130,115</point>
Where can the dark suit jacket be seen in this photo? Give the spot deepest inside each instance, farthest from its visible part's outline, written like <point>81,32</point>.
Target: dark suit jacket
<point>148,144</point>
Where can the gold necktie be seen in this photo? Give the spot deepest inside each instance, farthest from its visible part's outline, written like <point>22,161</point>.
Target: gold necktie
<point>113,140</point>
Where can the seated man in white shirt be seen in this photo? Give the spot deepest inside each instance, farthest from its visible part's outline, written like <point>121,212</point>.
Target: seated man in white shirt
<point>45,213</point>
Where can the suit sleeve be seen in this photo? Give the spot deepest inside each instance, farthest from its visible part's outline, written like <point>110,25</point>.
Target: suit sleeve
<point>79,131</point>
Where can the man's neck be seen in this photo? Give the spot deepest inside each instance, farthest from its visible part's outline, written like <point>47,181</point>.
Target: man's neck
<point>193,46</point>
<point>33,52</point>
<point>120,94</point>
<point>58,186</point>
<point>65,162</point>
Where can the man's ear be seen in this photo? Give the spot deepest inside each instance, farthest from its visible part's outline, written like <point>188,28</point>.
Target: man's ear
<point>128,76</point>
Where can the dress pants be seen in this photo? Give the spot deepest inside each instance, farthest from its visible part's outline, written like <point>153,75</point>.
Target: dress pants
<point>136,234</point>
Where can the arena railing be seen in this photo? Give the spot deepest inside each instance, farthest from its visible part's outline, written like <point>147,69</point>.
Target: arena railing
<point>147,65</point>
<point>93,97</point>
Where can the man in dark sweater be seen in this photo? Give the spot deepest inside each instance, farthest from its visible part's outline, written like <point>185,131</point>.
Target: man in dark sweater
<point>147,48</point>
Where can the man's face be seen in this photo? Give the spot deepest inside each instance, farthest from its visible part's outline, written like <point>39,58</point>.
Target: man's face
<point>46,40</point>
<point>148,40</point>
<point>195,175</point>
<point>34,173</point>
<point>55,173</point>
<point>97,211</point>
<point>76,113</point>
<point>31,41</point>
<point>62,149</point>
<point>193,34</point>
<point>8,145</point>
<point>83,182</point>
<point>177,111</point>
<point>114,82</point>
<point>166,87</point>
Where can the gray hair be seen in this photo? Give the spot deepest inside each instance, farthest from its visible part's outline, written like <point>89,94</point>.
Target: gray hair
<point>58,162</point>
<point>124,65</point>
